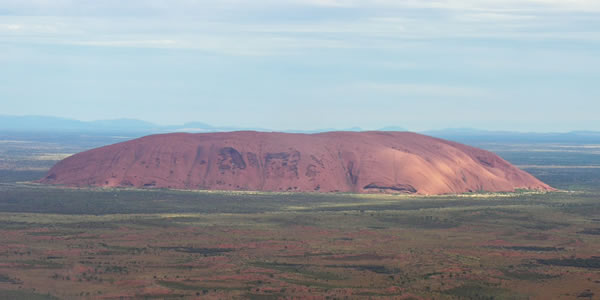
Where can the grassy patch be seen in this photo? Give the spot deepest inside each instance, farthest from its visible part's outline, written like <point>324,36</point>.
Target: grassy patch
<point>591,231</point>
<point>477,291</point>
<point>7,279</point>
<point>178,285</point>
<point>39,264</point>
<point>202,251</point>
<point>371,268</point>
<point>190,286</point>
<point>528,248</point>
<point>25,295</point>
<point>528,275</point>
<point>588,263</point>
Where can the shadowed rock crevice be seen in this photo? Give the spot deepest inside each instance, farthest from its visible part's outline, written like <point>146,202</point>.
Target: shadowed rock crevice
<point>252,159</point>
<point>352,173</point>
<point>282,164</point>
<point>486,161</point>
<point>230,158</point>
<point>405,188</point>
<point>311,171</point>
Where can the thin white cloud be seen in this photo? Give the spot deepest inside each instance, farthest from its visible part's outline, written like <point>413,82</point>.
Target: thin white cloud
<point>10,27</point>
<point>130,43</point>
<point>330,3</point>
<point>494,17</point>
<point>224,28</point>
<point>230,45</point>
<point>492,5</point>
<point>426,90</point>
<point>137,7</point>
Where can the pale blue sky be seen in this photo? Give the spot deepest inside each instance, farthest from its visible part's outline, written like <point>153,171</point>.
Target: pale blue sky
<point>527,65</point>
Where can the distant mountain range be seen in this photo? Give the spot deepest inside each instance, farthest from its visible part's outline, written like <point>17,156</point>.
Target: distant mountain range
<point>44,123</point>
<point>128,126</point>
<point>135,128</point>
<point>469,136</point>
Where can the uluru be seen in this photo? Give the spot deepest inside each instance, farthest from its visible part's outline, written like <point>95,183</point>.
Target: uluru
<point>355,162</point>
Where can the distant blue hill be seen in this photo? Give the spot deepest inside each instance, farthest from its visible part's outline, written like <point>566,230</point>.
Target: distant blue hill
<point>55,124</point>
<point>135,128</point>
<point>469,135</point>
<point>44,123</point>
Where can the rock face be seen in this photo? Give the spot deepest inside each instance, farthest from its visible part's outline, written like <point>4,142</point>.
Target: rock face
<point>358,162</point>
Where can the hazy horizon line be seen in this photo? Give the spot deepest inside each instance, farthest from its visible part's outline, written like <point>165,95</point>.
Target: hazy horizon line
<point>213,127</point>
